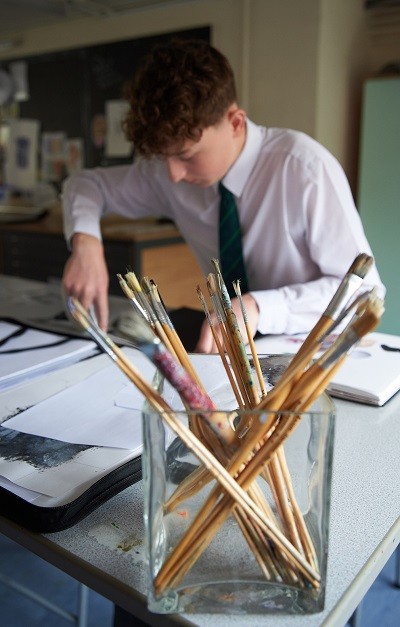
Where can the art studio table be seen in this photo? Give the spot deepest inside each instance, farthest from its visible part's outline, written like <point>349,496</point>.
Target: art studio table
<point>105,550</point>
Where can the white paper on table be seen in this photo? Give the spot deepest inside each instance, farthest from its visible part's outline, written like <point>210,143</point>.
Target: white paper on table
<point>370,374</point>
<point>16,367</point>
<point>52,468</point>
<point>28,495</point>
<point>86,413</point>
<point>104,409</point>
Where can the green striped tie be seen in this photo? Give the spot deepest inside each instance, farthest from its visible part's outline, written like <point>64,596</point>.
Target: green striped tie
<point>230,243</point>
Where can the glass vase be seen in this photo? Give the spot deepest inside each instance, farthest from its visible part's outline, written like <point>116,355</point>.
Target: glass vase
<point>219,568</point>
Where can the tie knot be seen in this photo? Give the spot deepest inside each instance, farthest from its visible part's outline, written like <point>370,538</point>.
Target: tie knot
<point>227,200</point>
<point>224,192</point>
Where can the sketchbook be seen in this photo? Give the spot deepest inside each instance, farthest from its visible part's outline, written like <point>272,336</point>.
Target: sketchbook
<point>370,374</point>
<point>45,513</point>
<point>49,480</point>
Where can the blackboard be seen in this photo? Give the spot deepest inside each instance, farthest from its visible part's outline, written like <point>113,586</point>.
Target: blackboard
<point>68,88</point>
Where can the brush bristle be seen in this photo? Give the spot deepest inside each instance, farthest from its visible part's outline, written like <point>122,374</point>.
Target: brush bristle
<point>216,265</point>
<point>125,287</point>
<point>146,285</point>
<point>132,281</point>
<point>236,287</point>
<point>361,265</point>
<point>137,328</point>
<point>212,283</point>
<point>370,318</point>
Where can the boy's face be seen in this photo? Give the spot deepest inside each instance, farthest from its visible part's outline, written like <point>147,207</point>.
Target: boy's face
<point>207,161</point>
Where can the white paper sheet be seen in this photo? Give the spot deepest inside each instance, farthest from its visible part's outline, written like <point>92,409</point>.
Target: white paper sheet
<point>103,410</point>
<point>370,374</point>
<point>28,495</point>
<point>87,413</point>
<point>50,468</point>
<point>16,367</point>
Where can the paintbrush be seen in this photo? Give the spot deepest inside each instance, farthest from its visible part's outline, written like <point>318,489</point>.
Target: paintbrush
<point>141,305</point>
<point>357,306</point>
<point>237,339</point>
<point>309,386</point>
<point>244,502</point>
<point>220,349</point>
<point>190,392</point>
<point>313,381</point>
<point>256,361</point>
<point>349,285</point>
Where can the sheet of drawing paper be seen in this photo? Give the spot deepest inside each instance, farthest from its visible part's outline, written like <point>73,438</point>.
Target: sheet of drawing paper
<point>86,413</point>
<point>25,352</point>
<point>52,467</point>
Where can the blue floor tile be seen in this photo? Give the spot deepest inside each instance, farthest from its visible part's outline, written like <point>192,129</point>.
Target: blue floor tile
<point>48,581</point>
<point>381,605</point>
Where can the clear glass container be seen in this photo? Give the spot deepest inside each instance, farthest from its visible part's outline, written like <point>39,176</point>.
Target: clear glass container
<point>226,576</point>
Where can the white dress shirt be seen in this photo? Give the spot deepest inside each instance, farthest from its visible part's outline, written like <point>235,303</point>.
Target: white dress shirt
<point>300,227</point>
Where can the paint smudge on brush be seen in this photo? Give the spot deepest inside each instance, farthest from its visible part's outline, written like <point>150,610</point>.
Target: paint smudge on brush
<point>37,451</point>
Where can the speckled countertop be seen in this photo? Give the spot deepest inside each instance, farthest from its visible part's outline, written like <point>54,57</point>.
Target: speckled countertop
<point>364,521</point>
<point>105,550</point>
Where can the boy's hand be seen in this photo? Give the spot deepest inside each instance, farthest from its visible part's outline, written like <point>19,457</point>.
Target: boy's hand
<point>206,342</point>
<point>86,276</point>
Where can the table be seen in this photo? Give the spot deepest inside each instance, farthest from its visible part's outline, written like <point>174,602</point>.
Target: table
<point>37,250</point>
<point>364,520</point>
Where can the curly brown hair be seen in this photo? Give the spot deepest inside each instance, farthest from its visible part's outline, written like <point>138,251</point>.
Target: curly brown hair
<point>183,87</point>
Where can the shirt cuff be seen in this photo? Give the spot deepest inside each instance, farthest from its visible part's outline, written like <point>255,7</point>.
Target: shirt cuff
<point>273,312</point>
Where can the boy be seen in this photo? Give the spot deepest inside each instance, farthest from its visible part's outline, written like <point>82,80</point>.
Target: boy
<point>300,228</point>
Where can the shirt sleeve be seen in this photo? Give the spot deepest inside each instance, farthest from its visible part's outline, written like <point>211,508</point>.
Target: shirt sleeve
<point>128,190</point>
<point>296,308</point>
<point>334,236</point>
<point>293,308</point>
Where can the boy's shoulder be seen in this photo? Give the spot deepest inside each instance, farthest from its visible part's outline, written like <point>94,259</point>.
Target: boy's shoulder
<point>294,143</point>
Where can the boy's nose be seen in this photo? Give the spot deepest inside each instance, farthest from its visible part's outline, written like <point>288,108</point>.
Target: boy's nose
<point>176,169</point>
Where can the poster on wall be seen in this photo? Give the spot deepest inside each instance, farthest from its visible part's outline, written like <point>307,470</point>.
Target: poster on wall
<point>116,143</point>
<point>75,155</point>
<point>69,89</point>
<point>22,154</point>
<point>53,156</point>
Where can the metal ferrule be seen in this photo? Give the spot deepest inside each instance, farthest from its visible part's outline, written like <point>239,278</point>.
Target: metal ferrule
<point>363,298</point>
<point>346,290</point>
<point>341,346</point>
<point>102,341</point>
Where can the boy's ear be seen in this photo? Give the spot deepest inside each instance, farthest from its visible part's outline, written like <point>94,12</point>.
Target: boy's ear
<point>237,118</point>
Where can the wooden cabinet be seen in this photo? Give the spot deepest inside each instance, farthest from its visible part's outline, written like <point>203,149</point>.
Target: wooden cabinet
<point>38,250</point>
<point>33,255</point>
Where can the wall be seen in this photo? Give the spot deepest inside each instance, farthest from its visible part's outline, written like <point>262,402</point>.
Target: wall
<point>298,64</point>
<point>283,63</point>
<point>379,191</point>
<point>343,64</point>
<point>86,78</point>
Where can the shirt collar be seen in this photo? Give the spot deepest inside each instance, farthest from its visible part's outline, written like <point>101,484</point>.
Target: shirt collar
<point>238,174</point>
